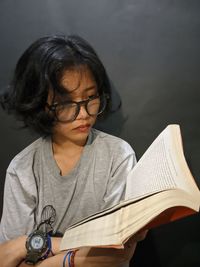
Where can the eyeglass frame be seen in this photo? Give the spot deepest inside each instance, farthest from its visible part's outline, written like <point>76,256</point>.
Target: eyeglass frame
<point>84,103</point>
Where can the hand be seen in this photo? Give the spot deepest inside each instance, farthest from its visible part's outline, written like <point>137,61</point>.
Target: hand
<point>139,236</point>
<point>91,257</point>
<point>53,261</point>
<point>130,245</point>
<point>103,257</point>
<point>12,252</point>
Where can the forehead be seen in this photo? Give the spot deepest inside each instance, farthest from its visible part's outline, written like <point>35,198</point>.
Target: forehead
<point>78,80</point>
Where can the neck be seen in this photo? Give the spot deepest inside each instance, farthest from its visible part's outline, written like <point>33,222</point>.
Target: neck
<point>66,154</point>
<point>63,146</point>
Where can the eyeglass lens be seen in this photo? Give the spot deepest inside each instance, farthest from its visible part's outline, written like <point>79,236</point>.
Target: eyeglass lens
<point>69,111</point>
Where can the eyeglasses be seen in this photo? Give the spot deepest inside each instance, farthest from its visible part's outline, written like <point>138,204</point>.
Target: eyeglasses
<point>68,111</point>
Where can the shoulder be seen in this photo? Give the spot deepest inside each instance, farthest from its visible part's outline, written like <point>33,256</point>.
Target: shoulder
<point>26,157</point>
<point>112,143</point>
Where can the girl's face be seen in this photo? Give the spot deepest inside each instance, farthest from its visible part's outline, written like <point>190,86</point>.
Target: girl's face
<point>80,85</point>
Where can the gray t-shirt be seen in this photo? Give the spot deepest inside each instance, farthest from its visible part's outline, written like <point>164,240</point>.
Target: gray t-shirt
<point>33,180</point>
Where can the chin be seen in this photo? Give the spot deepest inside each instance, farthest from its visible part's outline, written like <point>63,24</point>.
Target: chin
<point>79,138</point>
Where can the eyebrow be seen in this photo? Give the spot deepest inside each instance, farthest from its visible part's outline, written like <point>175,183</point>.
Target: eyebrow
<point>90,88</point>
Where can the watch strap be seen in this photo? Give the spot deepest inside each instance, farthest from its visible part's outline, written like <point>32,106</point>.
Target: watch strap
<point>32,258</point>
<point>49,249</point>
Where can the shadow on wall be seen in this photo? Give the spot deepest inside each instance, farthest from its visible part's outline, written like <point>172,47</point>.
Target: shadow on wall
<point>114,122</point>
<point>182,259</point>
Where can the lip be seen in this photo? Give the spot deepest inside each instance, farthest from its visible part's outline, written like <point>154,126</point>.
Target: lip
<point>83,128</point>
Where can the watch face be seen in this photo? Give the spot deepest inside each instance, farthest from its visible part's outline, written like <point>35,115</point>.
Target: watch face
<point>37,242</point>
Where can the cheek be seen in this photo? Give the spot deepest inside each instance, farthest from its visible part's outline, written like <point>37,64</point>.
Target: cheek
<point>93,120</point>
<point>61,128</point>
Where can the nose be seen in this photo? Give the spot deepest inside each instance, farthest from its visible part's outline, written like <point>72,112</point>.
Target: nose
<point>82,113</point>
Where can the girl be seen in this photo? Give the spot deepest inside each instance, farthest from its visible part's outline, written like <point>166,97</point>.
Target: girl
<point>59,89</point>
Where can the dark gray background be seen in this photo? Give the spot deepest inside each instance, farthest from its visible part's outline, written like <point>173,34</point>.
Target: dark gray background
<point>151,51</point>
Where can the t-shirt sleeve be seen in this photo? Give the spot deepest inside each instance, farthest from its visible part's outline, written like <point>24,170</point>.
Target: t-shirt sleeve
<point>124,161</point>
<point>18,207</point>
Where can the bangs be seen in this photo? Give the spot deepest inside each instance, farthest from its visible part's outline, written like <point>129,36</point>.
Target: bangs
<point>61,91</point>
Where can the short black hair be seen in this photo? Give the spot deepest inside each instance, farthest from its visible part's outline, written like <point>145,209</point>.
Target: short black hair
<point>40,68</point>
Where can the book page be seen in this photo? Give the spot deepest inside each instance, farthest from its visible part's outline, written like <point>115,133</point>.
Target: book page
<point>158,169</point>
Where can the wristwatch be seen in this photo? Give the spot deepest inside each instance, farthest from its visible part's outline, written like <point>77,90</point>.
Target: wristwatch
<point>38,245</point>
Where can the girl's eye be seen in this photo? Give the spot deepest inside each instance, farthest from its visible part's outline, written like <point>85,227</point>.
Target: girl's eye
<point>92,96</point>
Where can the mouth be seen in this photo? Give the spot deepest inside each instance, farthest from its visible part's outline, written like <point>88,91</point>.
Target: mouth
<point>83,128</point>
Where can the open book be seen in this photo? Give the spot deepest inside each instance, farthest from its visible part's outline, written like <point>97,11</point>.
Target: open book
<point>160,189</point>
